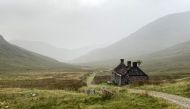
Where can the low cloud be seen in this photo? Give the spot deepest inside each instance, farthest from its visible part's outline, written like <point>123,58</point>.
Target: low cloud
<point>77,23</point>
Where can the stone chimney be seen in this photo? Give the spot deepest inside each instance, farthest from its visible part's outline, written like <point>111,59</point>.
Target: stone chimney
<point>122,61</point>
<point>129,63</point>
<point>134,64</point>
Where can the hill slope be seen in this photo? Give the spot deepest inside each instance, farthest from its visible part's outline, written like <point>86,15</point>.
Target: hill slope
<point>176,58</point>
<point>160,34</point>
<point>46,49</point>
<point>16,58</point>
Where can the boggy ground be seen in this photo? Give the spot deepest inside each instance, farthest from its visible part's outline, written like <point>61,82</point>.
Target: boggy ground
<point>175,82</point>
<point>19,98</point>
<point>44,80</point>
<point>41,90</point>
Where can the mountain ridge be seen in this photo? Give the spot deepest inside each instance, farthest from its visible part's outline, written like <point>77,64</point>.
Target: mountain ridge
<point>157,35</point>
<point>175,58</point>
<point>13,57</point>
<point>60,54</point>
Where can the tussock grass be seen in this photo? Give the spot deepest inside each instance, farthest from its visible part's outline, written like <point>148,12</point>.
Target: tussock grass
<point>169,81</point>
<point>31,91</point>
<point>181,88</point>
<point>16,98</point>
<point>44,80</point>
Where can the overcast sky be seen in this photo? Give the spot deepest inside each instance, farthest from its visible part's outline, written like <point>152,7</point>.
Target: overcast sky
<point>79,23</point>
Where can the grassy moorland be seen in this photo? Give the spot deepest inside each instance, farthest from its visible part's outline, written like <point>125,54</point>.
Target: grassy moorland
<point>64,90</point>
<point>16,98</point>
<point>179,87</point>
<point>175,82</point>
<point>44,80</point>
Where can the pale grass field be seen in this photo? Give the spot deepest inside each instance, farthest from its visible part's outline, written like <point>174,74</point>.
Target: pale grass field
<point>44,80</point>
<point>21,98</point>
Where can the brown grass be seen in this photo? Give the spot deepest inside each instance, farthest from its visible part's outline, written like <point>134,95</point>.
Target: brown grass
<point>59,80</point>
<point>101,79</point>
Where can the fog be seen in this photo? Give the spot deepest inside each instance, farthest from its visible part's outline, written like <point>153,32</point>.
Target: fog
<point>80,23</point>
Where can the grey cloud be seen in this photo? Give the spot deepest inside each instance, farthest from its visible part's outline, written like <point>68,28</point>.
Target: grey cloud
<point>77,23</point>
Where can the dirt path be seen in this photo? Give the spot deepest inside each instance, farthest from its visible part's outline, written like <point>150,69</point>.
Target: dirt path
<point>181,101</point>
<point>90,79</point>
<point>182,79</point>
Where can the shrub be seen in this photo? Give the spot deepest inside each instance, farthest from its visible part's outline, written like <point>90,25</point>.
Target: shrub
<point>106,94</point>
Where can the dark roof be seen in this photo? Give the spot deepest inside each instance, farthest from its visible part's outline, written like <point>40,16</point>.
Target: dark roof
<point>121,69</point>
<point>136,71</point>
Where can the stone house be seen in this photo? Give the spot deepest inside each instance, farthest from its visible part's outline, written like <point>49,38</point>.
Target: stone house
<point>123,74</point>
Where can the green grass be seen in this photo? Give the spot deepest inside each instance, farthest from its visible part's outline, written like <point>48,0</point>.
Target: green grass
<point>172,82</point>
<point>17,89</point>
<point>181,88</point>
<point>175,81</point>
<point>15,98</point>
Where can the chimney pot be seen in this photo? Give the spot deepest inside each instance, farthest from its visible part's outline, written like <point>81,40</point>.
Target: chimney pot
<point>129,63</point>
<point>122,60</point>
<point>134,64</point>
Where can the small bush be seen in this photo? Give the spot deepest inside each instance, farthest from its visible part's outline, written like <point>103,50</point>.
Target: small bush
<point>102,79</point>
<point>106,94</point>
<point>145,94</point>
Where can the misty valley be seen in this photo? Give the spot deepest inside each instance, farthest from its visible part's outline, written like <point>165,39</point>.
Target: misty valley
<point>148,68</point>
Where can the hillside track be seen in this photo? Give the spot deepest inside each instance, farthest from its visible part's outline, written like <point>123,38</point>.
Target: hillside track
<point>178,100</point>
<point>90,79</point>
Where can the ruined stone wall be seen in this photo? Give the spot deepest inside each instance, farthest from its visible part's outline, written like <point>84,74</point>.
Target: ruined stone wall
<point>116,78</point>
<point>124,80</point>
<point>133,79</point>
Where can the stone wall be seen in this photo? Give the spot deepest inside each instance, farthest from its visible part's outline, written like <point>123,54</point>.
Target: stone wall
<point>133,79</point>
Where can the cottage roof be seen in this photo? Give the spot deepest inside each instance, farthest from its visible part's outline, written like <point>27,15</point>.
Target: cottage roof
<point>136,71</point>
<point>121,68</point>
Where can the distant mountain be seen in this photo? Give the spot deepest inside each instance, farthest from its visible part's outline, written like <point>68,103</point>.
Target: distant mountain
<point>160,34</point>
<point>16,58</point>
<point>46,49</point>
<point>175,58</point>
